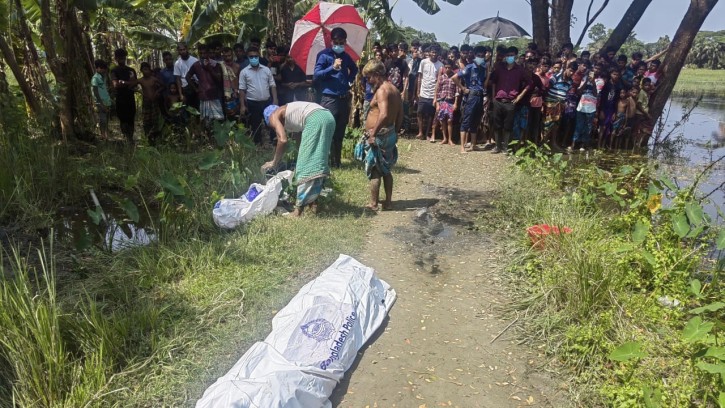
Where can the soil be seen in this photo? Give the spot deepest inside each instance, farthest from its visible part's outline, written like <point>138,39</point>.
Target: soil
<point>447,342</point>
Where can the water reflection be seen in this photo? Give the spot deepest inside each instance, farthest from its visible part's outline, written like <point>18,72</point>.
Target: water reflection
<point>112,235</point>
<point>702,141</point>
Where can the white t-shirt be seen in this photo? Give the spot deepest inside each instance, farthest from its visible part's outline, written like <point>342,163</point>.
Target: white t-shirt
<point>428,75</point>
<point>297,113</point>
<point>181,68</point>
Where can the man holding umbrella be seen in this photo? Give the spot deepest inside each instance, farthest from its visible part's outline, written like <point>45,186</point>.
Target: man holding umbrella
<point>334,71</point>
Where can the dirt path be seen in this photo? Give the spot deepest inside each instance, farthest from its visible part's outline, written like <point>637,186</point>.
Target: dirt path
<point>436,349</point>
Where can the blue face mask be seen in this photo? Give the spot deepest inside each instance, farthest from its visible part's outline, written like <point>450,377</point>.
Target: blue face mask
<point>510,60</point>
<point>479,60</point>
<point>338,49</point>
<point>254,61</point>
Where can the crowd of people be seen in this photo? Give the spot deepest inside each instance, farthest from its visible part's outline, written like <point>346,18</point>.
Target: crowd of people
<point>234,83</point>
<point>568,101</point>
<point>472,96</point>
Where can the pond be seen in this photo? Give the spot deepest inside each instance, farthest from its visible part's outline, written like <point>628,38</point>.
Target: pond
<point>113,235</point>
<point>695,145</point>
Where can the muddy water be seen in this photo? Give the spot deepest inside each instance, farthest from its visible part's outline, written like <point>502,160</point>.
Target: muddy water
<point>699,142</point>
<point>114,234</point>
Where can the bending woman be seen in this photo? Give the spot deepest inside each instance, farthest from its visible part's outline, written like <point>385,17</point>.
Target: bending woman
<point>317,126</point>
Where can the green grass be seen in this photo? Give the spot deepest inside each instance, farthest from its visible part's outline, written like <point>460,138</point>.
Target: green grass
<point>694,81</point>
<point>586,293</point>
<point>154,325</point>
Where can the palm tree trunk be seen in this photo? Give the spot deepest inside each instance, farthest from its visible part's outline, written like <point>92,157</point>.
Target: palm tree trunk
<point>32,62</point>
<point>677,53</point>
<point>27,90</point>
<point>280,15</point>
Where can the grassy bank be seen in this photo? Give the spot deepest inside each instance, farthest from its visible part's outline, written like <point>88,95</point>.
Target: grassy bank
<point>628,301</point>
<point>153,325</point>
<point>694,81</point>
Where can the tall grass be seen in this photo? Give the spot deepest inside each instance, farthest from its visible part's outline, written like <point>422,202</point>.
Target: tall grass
<point>583,294</point>
<point>154,325</point>
<point>54,359</point>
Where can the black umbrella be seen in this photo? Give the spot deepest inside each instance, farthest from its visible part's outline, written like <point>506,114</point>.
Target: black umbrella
<point>495,28</point>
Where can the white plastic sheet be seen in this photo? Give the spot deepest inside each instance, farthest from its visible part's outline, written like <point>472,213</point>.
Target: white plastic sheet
<point>314,340</point>
<point>230,213</point>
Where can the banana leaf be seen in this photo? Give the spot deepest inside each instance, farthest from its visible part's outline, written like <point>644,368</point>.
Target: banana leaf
<point>225,38</point>
<point>204,19</point>
<point>431,7</point>
<point>142,37</point>
<point>93,5</point>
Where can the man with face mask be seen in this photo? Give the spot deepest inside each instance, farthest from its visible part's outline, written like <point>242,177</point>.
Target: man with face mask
<point>182,66</point>
<point>471,81</point>
<point>334,72</point>
<point>510,83</point>
<point>256,90</point>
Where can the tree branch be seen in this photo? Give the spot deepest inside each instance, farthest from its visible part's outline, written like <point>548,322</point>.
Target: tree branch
<point>590,21</point>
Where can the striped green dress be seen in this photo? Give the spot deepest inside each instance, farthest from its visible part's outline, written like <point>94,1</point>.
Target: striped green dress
<point>317,126</point>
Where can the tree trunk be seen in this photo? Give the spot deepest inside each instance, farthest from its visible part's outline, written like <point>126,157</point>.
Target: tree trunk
<point>560,23</point>
<point>32,62</point>
<point>77,67</point>
<point>71,68</point>
<point>676,54</point>
<point>9,58</point>
<point>280,15</point>
<point>540,23</point>
<point>626,24</point>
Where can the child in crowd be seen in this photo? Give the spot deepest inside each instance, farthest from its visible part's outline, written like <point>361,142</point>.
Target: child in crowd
<point>151,89</point>
<point>170,100</point>
<point>101,96</point>
<point>559,86</point>
<point>642,116</point>
<point>619,123</point>
<point>446,102</point>
<point>585,112</point>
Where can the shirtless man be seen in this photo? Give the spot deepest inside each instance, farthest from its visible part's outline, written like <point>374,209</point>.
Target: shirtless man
<point>383,121</point>
<point>151,89</point>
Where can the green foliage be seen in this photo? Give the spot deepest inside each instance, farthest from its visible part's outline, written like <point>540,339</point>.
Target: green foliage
<point>621,282</point>
<point>708,50</point>
<point>177,303</point>
<point>627,351</point>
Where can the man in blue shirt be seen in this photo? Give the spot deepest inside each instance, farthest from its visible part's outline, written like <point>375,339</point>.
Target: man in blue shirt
<point>334,71</point>
<point>471,82</point>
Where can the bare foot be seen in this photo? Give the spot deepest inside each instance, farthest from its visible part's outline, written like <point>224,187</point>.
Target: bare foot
<point>296,213</point>
<point>450,143</point>
<point>313,208</point>
<point>464,150</point>
<point>444,141</point>
<point>432,140</point>
<point>372,207</point>
<point>387,205</point>
<point>419,136</point>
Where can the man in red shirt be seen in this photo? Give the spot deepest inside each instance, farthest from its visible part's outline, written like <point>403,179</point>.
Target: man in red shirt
<point>509,83</point>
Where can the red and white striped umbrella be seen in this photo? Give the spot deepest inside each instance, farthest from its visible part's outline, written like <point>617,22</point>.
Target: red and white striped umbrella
<point>312,33</point>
